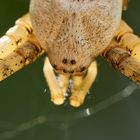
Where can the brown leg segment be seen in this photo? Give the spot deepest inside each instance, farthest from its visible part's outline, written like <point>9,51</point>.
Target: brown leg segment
<point>128,41</point>
<point>122,60</point>
<point>18,48</point>
<point>124,52</point>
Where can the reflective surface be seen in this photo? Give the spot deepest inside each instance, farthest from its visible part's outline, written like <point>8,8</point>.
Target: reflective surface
<point>111,110</point>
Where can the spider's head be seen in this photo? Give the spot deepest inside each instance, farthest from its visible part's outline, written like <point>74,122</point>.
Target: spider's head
<point>74,61</point>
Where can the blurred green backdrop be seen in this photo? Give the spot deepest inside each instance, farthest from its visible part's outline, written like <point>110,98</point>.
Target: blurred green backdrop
<point>26,112</point>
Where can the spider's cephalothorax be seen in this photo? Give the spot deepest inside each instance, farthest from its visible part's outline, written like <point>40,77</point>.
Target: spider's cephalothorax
<point>74,32</point>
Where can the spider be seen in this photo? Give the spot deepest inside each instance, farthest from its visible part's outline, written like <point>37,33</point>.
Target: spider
<point>72,33</point>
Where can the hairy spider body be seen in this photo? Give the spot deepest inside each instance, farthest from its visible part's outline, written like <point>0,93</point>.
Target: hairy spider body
<point>72,33</point>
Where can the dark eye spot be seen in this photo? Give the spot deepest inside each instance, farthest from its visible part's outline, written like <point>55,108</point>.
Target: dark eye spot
<point>54,66</point>
<point>64,61</point>
<point>64,71</point>
<point>82,69</point>
<point>72,71</point>
<point>73,62</point>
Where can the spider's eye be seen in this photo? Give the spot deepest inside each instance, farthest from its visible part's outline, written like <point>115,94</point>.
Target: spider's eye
<point>54,66</point>
<point>73,62</point>
<point>82,69</point>
<point>64,61</point>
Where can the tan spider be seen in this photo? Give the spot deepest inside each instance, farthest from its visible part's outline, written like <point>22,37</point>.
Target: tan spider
<point>72,33</point>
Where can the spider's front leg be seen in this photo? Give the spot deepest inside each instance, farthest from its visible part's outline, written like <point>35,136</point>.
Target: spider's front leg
<point>18,47</point>
<point>124,52</point>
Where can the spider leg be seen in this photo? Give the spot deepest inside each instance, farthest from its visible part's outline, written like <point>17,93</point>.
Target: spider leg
<point>18,47</point>
<point>57,87</point>
<point>124,52</point>
<point>82,84</point>
<point>128,41</point>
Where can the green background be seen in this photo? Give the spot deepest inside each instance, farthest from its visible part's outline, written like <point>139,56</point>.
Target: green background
<point>26,112</point>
